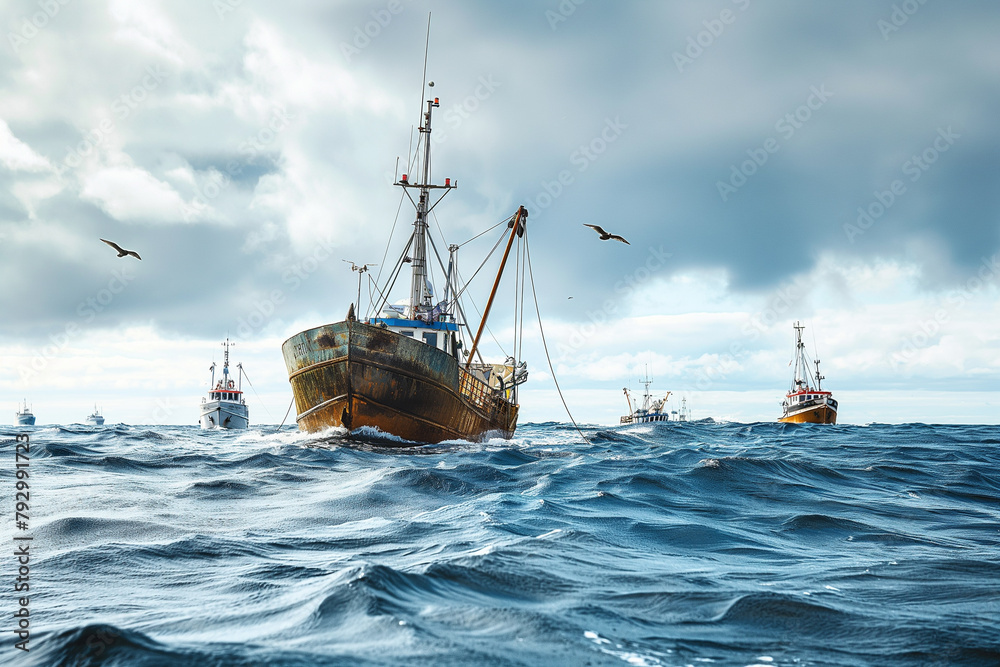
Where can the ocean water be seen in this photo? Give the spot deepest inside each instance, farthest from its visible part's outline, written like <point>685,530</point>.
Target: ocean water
<point>669,544</point>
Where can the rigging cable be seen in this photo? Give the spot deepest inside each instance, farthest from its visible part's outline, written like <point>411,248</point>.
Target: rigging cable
<point>507,219</point>
<point>392,280</point>
<point>389,240</point>
<point>286,415</point>
<point>545,345</point>
<point>497,245</point>
<point>462,320</point>
<point>518,271</point>
<point>490,331</point>
<point>438,223</point>
<point>520,352</point>
<point>255,393</point>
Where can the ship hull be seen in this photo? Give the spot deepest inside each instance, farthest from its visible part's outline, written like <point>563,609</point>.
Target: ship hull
<point>221,414</point>
<point>821,414</point>
<point>351,375</point>
<point>24,420</point>
<point>95,421</point>
<point>647,419</point>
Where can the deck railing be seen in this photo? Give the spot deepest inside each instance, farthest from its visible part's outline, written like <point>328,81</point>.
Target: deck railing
<point>482,395</point>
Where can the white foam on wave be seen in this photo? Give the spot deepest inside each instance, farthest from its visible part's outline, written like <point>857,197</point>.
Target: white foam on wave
<point>541,485</point>
<point>271,437</point>
<point>630,657</point>
<point>488,549</point>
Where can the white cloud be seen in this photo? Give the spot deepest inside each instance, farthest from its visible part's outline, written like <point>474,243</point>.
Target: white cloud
<point>131,194</point>
<point>31,193</point>
<point>288,76</point>
<point>17,155</point>
<point>144,26</point>
<point>321,175</point>
<point>885,332</point>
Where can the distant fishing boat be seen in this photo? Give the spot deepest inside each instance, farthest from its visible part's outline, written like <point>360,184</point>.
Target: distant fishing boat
<point>806,401</point>
<point>23,416</point>
<point>652,410</point>
<point>405,370</point>
<point>682,415</point>
<point>95,419</point>
<point>225,406</point>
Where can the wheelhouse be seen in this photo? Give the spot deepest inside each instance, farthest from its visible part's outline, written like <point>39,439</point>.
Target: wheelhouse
<point>441,335</point>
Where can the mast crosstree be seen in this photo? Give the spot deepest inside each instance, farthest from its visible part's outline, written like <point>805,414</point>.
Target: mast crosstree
<point>420,291</point>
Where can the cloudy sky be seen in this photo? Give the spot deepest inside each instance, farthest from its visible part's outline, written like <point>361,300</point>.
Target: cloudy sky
<point>832,162</point>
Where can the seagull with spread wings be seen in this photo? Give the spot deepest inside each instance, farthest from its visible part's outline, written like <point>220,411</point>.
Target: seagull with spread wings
<point>606,236</point>
<point>122,252</point>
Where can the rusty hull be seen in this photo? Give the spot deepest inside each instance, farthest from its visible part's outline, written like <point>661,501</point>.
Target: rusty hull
<point>353,374</point>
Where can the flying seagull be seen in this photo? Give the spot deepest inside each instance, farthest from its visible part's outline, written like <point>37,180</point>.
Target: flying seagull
<point>122,251</point>
<point>605,236</point>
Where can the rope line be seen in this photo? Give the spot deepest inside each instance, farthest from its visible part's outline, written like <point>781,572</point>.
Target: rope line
<point>545,345</point>
<point>485,232</point>
<point>256,394</point>
<point>286,415</point>
<point>389,241</point>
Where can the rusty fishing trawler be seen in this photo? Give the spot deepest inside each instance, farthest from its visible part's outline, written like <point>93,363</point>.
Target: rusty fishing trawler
<point>405,369</point>
<point>806,402</point>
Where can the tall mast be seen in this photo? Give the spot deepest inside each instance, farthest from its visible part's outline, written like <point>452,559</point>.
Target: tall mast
<point>420,296</point>
<point>799,357</point>
<point>516,229</point>
<point>225,365</point>
<point>646,381</point>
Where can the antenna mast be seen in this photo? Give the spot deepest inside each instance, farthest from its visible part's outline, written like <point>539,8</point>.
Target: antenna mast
<point>225,365</point>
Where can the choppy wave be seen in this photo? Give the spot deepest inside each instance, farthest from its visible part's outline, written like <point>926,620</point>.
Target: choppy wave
<point>666,544</point>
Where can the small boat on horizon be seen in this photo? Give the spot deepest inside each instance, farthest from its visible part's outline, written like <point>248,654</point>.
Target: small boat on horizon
<point>23,416</point>
<point>225,406</point>
<point>653,410</point>
<point>95,419</point>
<point>806,401</point>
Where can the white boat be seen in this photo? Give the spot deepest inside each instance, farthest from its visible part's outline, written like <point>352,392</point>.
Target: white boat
<point>225,407</point>
<point>23,416</point>
<point>95,419</point>
<point>652,410</point>
<point>683,414</point>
